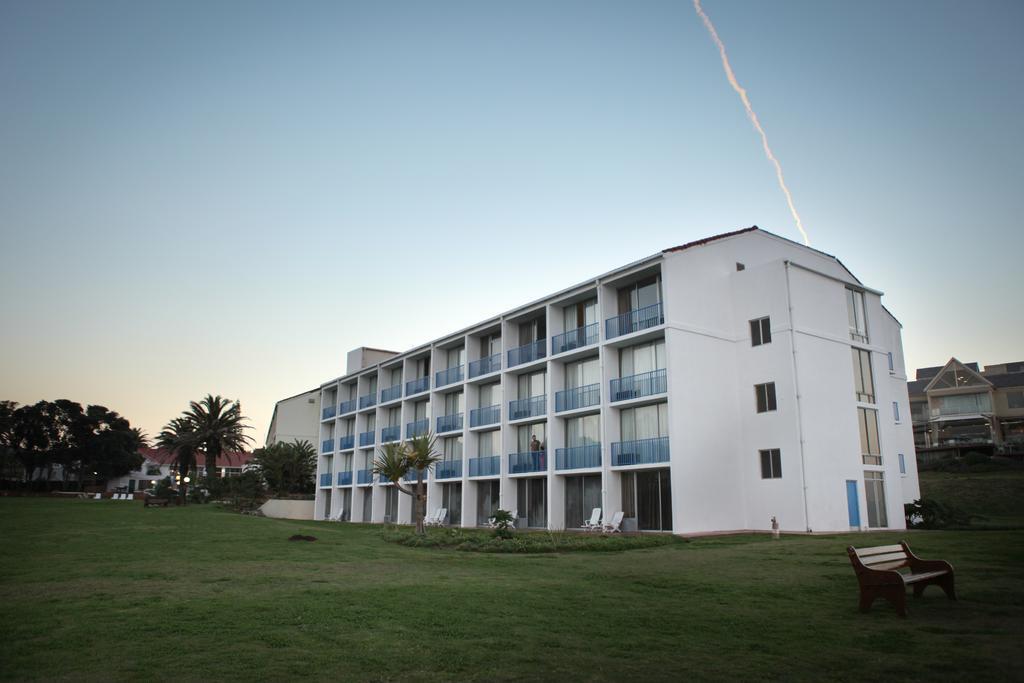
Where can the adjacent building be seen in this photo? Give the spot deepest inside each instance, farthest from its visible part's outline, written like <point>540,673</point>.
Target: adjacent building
<point>296,418</point>
<point>706,388</point>
<point>958,407</point>
<point>159,463</point>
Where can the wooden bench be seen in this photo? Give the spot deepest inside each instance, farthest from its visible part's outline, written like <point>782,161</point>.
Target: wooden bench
<point>878,573</point>
<point>159,502</point>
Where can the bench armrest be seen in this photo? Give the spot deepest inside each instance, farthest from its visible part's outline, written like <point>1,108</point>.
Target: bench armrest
<point>917,565</point>
<point>872,577</point>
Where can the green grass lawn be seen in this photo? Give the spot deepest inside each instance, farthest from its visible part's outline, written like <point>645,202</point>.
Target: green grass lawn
<point>996,496</point>
<point>108,590</point>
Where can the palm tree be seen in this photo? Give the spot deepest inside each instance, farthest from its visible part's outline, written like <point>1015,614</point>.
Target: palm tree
<point>179,437</point>
<point>218,424</point>
<point>395,460</point>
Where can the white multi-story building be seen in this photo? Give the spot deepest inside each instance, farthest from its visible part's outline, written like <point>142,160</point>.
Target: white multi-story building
<point>706,388</point>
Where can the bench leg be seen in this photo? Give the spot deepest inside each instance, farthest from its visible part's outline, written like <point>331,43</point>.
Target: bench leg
<point>895,595</point>
<point>946,583</point>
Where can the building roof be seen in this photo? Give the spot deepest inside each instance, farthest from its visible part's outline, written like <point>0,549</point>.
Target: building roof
<point>706,240</point>
<point>162,456</point>
<point>917,386</point>
<point>1008,379</point>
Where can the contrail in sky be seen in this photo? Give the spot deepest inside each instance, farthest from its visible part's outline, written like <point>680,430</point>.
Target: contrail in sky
<point>753,117</point>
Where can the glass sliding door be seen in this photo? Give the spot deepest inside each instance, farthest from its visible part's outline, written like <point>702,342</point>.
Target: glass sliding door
<point>582,494</point>
<point>487,500</point>
<point>874,496</point>
<point>647,497</point>
<point>532,502</point>
<point>451,499</point>
<point>367,505</point>
<point>391,505</point>
<point>646,292</point>
<point>634,360</point>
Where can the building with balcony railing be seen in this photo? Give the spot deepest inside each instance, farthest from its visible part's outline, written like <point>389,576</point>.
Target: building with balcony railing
<point>705,388</point>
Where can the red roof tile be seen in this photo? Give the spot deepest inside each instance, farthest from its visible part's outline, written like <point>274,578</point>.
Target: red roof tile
<point>165,457</point>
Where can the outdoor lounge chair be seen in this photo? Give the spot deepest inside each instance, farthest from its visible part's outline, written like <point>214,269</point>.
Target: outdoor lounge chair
<point>594,523</point>
<point>611,527</point>
<point>98,496</point>
<point>437,519</point>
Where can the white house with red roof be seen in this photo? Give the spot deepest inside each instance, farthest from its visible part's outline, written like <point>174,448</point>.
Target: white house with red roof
<point>159,463</point>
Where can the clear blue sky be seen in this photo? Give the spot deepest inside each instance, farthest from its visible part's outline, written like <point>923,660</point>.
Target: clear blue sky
<point>226,197</point>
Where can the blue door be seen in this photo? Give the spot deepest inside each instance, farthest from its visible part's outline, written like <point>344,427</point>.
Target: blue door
<point>852,504</point>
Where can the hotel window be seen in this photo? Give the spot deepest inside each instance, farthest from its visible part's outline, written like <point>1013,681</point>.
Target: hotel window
<point>640,294</point>
<point>761,331</point>
<point>1015,400</point>
<point>533,385</point>
<point>645,422</point>
<point>453,403</point>
<point>582,431</point>
<point>421,411</point>
<point>529,437</point>
<point>903,464</point>
<point>765,397</point>
<point>863,384</point>
<point>874,495</point>
<point>636,360</point>
<point>455,357</point>
<point>391,505</point>
<point>771,463</point>
<point>892,365</point>
<point>422,366</point>
<point>896,412</point>
<point>452,449</point>
<point>532,330</point>
<point>394,416</point>
<point>579,315</point>
<point>855,313</point>
<point>582,373</point>
<point>488,444</point>
<point>489,395</point>
<point>490,345</point>
<point>868,421</point>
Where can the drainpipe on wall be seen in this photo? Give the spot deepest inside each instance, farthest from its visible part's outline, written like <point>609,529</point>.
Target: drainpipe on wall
<point>799,413</point>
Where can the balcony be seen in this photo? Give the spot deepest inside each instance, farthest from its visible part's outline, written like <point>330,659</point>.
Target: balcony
<point>417,386</point>
<point>478,417</point>
<point>486,466</point>
<point>449,376</point>
<point>530,461</point>
<point>640,452</point>
<point>325,479</point>
<point>346,407</point>
<point>527,407</point>
<point>485,366</point>
<point>368,400</point>
<point>391,433</point>
<point>345,478</point>
<point>575,339</point>
<point>638,386</point>
<point>578,457</point>
<point>417,428</point>
<point>391,393</point>
<point>329,412</point>
<point>347,442</point>
<point>526,353</point>
<point>449,423</point>
<point>327,445</point>
<point>448,469</point>
<point>366,438</point>
<point>364,477</point>
<point>634,321</point>
<point>412,476</point>
<point>579,397</point>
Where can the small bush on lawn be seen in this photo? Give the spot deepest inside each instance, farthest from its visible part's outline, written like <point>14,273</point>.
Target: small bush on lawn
<point>928,513</point>
<point>471,540</point>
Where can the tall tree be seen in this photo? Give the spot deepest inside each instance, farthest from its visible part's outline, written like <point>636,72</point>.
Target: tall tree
<point>218,425</point>
<point>179,437</point>
<point>287,467</point>
<point>395,460</point>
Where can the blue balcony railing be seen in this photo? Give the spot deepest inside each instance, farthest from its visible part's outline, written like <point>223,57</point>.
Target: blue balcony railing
<point>417,428</point>
<point>526,353</point>
<point>640,452</point>
<point>479,417</point>
<point>417,386</point>
<point>329,412</point>
<point>531,461</point>
<point>523,408</point>
<point>578,457</point>
<point>391,393</point>
<point>325,479</point>
<point>346,407</point>
<point>575,339</point>
<point>486,466</point>
<point>448,469</point>
<point>368,400</point>
<point>412,476</point>
<point>392,433</point>
<point>364,477</point>
<point>327,445</point>
<point>580,397</point>
<point>366,438</point>
<point>345,478</point>
<point>485,366</point>
<point>449,376</point>
<point>347,442</point>
<point>449,423</point>
<point>634,321</point>
<point>638,386</point>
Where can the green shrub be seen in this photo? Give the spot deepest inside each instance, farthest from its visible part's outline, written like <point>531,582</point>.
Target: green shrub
<point>928,513</point>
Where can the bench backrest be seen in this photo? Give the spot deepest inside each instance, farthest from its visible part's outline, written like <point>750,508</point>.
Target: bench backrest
<point>881,556</point>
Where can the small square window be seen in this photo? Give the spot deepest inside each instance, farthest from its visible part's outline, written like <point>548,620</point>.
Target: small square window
<point>771,463</point>
<point>765,397</point>
<point>760,331</point>
<point>1015,399</point>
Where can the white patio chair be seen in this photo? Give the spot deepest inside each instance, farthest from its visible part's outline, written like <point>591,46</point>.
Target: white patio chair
<point>439,516</point>
<point>594,523</point>
<point>98,496</point>
<point>611,527</point>
<point>117,496</point>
